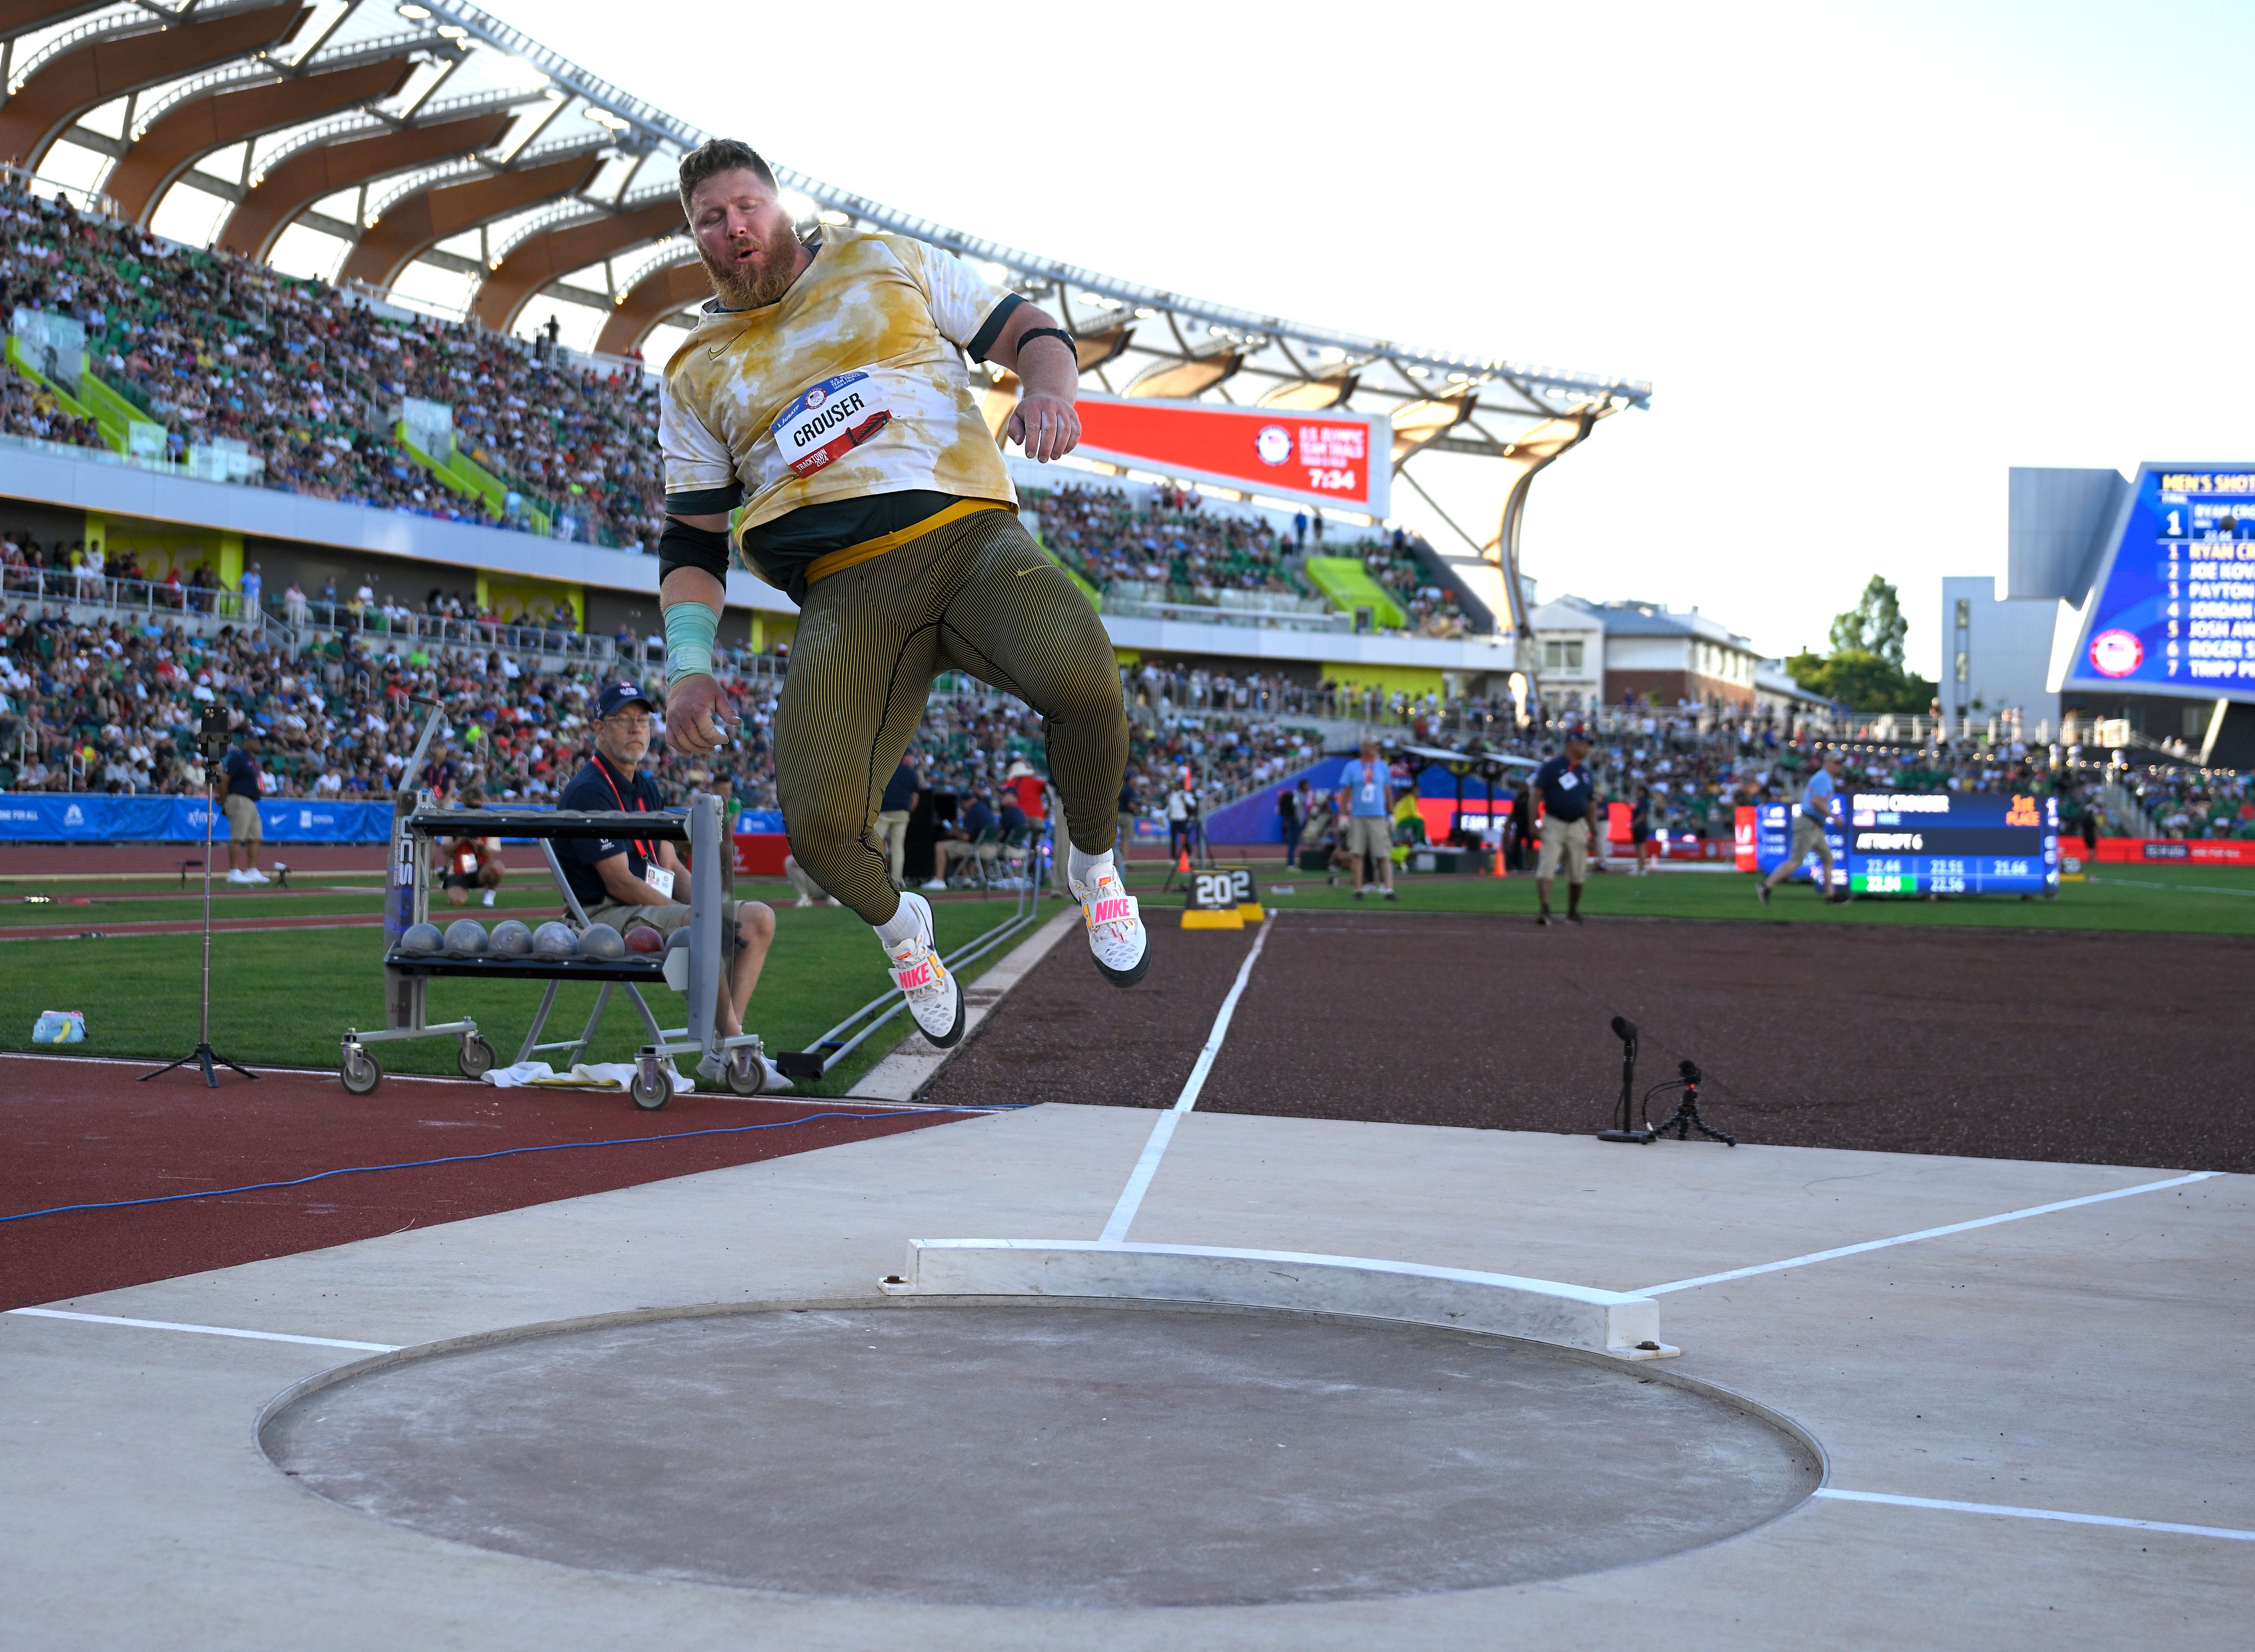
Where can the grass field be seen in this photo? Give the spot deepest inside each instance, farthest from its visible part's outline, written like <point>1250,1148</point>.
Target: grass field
<point>2181,900</point>
<point>285,997</point>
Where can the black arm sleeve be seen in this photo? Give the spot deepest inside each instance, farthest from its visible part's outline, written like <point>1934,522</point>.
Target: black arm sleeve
<point>991,328</point>
<point>682,546</point>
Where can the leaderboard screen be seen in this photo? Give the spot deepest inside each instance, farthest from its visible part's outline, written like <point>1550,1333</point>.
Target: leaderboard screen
<point>2176,612</point>
<point>1952,843</point>
<point>1927,843</point>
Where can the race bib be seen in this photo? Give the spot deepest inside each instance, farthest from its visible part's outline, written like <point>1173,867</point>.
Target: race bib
<point>659,879</point>
<point>832,418</point>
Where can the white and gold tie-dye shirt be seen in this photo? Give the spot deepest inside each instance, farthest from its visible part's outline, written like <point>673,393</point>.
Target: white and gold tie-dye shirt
<point>853,384</point>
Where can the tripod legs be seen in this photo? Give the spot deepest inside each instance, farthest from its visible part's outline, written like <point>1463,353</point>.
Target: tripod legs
<point>1686,1119</point>
<point>209,1060</point>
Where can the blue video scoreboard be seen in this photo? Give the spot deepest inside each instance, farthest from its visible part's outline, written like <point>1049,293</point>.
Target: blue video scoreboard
<point>1928,843</point>
<point>2174,612</point>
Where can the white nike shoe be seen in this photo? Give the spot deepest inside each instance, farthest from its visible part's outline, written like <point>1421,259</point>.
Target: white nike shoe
<point>235,876</point>
<point>935,996</point>
<point>254,875</point>
<point>1115,928</point>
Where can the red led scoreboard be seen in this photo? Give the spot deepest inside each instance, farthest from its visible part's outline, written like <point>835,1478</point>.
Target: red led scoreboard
<point>1337,459</point>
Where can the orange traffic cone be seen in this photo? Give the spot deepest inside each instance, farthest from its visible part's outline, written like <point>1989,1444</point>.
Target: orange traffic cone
<point>1183,863</point>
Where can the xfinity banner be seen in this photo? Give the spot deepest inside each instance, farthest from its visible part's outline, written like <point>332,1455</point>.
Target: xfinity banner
<point>50,818</point>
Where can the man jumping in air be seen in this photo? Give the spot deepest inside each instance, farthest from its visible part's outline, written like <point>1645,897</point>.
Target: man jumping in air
<point>825,390</point>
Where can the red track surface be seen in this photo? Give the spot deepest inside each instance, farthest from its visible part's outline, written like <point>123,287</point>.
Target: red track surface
<point>84,1132</point>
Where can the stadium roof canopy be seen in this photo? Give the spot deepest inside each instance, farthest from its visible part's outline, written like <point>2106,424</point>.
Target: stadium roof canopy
<point>429,154</point>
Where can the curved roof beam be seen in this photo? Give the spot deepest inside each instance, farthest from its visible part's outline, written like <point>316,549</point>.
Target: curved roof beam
<point>560,249</point>
<point>419,221</point>
<point>109,64</point>
<point>188,131</point>
<point>21,17</point>
<point>643,306</point>
<point>306,177</point>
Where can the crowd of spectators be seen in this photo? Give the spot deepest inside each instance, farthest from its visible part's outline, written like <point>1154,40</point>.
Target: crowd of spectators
<point>2196,803</point>
<point>311,380</point>
<point>113,707</point>
<point>1181,548</point>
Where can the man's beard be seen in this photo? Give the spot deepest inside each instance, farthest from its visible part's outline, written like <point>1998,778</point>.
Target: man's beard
<point>754,286</point>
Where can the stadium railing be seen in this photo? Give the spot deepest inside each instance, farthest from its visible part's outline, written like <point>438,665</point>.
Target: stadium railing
<point>71,589</point>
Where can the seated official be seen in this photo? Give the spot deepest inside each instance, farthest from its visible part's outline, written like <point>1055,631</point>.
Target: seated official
<point>960,842</point>
<point>630,880</point>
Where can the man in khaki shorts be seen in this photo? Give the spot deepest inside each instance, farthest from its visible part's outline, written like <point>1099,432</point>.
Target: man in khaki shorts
<point>1568,803</point>
<point>641,881</point>
<point>241,804</point>
<point>1366,810</point>
<point>1808,819</point>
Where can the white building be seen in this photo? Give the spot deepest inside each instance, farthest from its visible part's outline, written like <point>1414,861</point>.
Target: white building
<point>1604,651</point>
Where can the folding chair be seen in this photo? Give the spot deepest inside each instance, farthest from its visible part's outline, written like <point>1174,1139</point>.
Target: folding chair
<point>577,917</point>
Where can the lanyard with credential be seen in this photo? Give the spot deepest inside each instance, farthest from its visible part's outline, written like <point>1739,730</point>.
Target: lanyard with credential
<point>640,848</point>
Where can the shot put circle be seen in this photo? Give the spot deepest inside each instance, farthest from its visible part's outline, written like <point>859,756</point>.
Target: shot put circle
<point>1044,1454</point>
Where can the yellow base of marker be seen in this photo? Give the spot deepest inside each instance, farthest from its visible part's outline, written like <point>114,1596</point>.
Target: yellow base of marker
<point>1193,918</point>
<point>1250,912</point>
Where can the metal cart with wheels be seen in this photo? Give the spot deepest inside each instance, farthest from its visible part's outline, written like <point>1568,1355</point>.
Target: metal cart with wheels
<point>694,969</point>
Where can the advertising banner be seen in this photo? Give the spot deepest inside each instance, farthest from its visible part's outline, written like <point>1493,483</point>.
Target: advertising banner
<point>2177,851</point>
<point>2174,609</point>
<point>1336,459</point>
<point>53,346</point>
<point>43,817</point>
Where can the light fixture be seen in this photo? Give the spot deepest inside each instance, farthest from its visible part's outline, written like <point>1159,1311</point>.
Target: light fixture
<point>453,31</point>
<point>413,14</point>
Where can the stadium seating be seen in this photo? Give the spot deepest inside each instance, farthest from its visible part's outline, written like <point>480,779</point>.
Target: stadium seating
<point>212,349</point>
<point>1184,549</point>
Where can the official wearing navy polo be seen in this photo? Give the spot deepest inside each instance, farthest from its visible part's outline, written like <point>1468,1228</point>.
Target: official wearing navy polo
<point>1568,799</point>
<point>624,881</point>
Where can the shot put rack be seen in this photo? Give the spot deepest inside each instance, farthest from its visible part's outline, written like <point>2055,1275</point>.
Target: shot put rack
<point>406,976</point>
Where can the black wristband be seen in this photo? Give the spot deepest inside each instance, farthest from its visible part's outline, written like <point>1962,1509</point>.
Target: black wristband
<point>1056,333</point>
<point>682,546</point>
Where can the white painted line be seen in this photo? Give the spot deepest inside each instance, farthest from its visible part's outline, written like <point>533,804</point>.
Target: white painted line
<point>1195,1082</point>
<point>1928,1232</point>
<point>2231,1533</point>
<point>205,1331</point>
<point>1139,1180</point>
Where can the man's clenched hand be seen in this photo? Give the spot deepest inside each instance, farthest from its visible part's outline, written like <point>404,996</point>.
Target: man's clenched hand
<point>698,714</point>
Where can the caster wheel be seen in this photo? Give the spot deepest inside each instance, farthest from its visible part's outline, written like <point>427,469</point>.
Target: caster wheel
<point>476,1057</point>
<point>652,1086</point>
<point>359,1070</point>
<point>747,1074</point>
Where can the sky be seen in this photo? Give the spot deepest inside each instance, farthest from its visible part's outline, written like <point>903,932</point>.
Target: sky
<point>1868,256</point>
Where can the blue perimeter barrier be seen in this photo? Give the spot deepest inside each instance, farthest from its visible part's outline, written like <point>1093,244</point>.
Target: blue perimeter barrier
<point>43,817</point>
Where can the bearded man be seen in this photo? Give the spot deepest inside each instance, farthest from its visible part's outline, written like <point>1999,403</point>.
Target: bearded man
<point>824,390</point>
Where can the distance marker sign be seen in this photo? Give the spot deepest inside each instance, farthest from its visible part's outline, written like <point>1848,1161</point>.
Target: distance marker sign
<point>1221,897</point>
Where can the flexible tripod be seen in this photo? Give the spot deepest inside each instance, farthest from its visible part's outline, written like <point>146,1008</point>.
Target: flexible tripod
<point>211,742</point>
<point>1686,1117</point>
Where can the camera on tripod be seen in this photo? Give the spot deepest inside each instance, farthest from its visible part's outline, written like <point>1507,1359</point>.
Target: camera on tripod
<point>213,736</point>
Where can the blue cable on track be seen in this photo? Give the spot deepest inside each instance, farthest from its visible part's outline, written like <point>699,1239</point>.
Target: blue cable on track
<point>503,1153</point>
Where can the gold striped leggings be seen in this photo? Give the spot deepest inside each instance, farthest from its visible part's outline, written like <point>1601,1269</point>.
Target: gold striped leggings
<point>978,595</point>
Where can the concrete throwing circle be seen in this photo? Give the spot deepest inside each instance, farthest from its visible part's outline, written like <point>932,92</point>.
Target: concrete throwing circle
<point>1045,1455</point>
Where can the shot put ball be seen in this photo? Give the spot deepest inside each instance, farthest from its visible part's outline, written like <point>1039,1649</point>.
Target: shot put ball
<point>601,941</point>
<point>465,937</point>
<point>643,938</point>
<point>420,940</point>
<point>510,939</point>
<point>555,940</point>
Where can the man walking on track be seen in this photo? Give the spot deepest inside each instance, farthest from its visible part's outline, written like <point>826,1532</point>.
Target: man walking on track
<point>1569,798</point>
<point>1809,821</point>
<point>1368,786</point>
<point>825,390</point>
